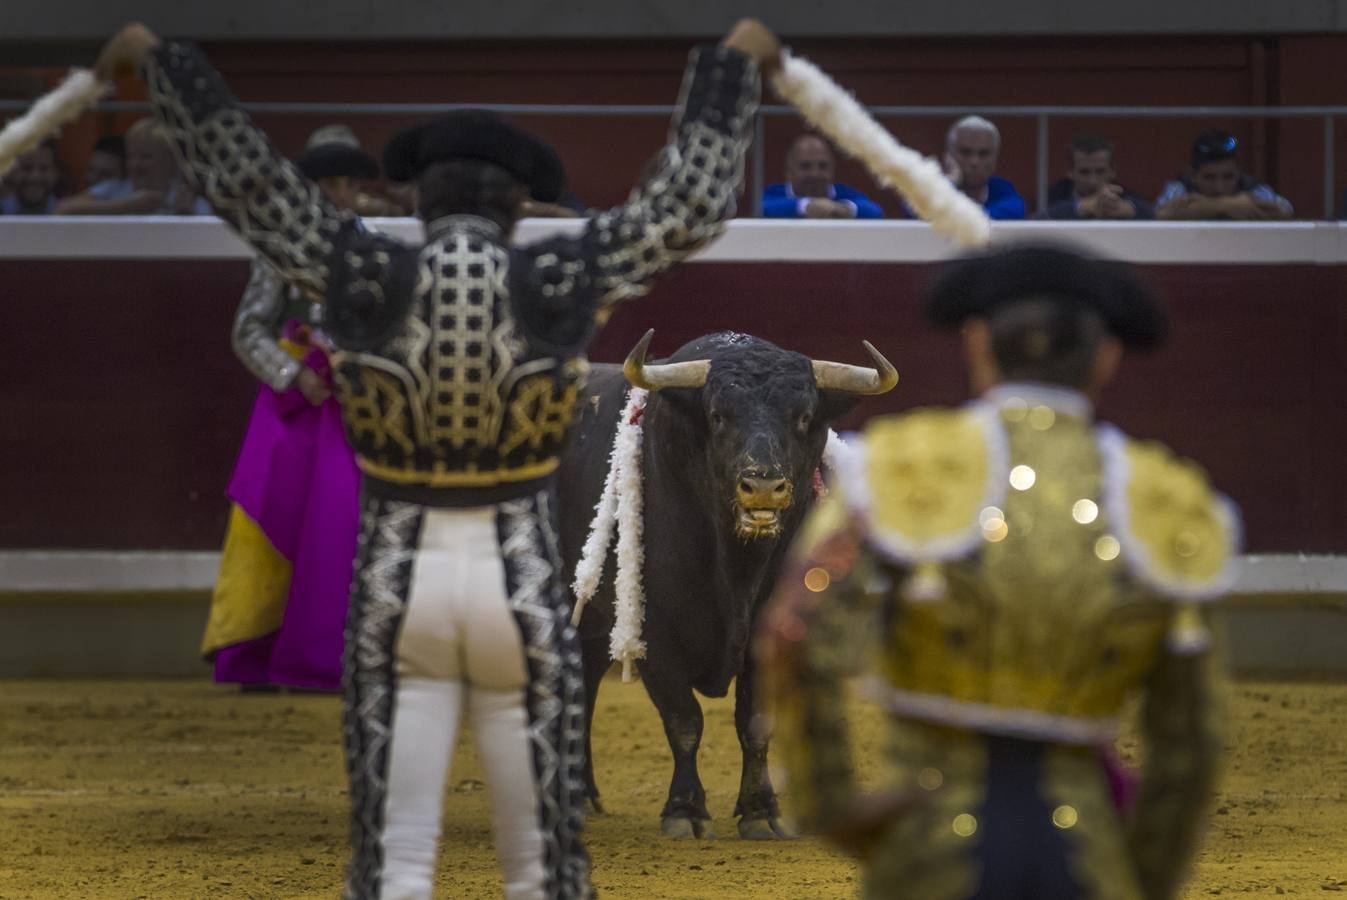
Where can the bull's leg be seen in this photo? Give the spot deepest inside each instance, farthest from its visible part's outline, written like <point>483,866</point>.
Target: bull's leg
<point>684,813</point>
<point>758,811</point>
<point>595,652</point>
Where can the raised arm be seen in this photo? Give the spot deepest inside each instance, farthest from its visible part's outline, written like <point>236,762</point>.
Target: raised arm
<point>256,327</point>
<point>230,162</point>
<point>688,194</point>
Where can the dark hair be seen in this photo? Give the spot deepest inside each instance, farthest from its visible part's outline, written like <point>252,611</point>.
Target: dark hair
<point>1092,143</point>
<point>469,186</point>
<point>1045,339</point>
<point>1213,145</point>
<point>809,135</point>
<point>51,146</point>
<point>113,145</point>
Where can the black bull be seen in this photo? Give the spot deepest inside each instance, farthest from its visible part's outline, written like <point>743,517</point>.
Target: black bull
<point>733,432</point>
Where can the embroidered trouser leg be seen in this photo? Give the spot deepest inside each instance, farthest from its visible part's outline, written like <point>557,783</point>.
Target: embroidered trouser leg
<point>465,622</point>
<point>555,698</point>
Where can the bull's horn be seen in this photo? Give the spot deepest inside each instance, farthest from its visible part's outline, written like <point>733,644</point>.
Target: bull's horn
<point>831,376</point>
<point>669,375</point>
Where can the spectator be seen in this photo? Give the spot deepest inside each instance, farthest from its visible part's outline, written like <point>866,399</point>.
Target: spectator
<point>32,183</point>
<point>152,185</point>
<point>810,192</point>
<point>107,161</point>
<point>971,148</point>
<point>1215,188</point>
<point>1090,191</point>
<point>334,159</point>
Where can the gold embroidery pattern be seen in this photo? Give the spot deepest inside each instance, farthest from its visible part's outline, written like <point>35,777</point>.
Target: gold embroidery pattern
<point>922,851</point>
<point>541,409</point>
<point>1180,535</point>
<point>1098,849</point>
<point>376,413</point>
<point>1039,618</point>
<point>926,473</point>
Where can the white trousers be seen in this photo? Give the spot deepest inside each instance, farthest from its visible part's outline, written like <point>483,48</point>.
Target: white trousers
<point>459,650</point>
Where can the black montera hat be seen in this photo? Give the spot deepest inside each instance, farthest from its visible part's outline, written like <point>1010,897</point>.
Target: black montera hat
<point>481,135</point>
<point>975,285</point>
<point>332,152</point>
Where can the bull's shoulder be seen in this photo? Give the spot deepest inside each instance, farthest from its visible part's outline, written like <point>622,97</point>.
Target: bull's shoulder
<point>1177,534</point>
<point>919,482</point>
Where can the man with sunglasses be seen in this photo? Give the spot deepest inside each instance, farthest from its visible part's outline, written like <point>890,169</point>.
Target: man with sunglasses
<point>1215,188</point>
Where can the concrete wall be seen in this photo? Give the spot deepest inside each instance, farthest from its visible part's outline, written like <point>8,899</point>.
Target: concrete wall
<point>27,20</point>
<point>109,635</point>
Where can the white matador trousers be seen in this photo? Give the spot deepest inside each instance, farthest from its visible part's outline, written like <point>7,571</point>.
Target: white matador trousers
<point>460,612</point>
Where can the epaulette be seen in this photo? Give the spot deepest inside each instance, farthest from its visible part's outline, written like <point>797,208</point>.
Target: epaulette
<point>919,481</point>
<point>1178,536</point>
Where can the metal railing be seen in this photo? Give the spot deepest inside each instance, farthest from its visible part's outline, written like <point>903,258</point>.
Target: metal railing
<point>1042,115</point>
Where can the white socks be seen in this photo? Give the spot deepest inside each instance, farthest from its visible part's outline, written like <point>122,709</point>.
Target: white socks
<point>425,725</point>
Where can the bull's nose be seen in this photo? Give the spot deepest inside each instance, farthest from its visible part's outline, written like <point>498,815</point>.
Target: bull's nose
<point>763,492</point>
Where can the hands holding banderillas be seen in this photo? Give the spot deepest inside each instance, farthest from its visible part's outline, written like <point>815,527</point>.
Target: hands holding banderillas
<point>752,38</point>
<point>125,52</point>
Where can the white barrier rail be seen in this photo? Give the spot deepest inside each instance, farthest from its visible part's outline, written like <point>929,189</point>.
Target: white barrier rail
<point>745,240</point>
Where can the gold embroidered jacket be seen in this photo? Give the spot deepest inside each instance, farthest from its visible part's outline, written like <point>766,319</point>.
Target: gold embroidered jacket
<point>460,361</point>
<point>1031,572</point>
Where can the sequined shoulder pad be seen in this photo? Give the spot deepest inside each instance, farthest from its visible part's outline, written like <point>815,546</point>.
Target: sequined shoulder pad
<point>919,482</point>
<point>1178,535</point>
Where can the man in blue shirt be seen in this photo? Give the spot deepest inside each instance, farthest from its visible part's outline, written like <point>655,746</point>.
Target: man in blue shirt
<point>810,192</point>
<point>971,148</point>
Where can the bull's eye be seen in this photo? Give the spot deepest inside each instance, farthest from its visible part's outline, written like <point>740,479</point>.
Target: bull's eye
<point>717,419</point>
<point>804,422</point>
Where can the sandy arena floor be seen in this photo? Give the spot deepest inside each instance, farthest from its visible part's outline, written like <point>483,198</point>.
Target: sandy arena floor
<point>180,789</point>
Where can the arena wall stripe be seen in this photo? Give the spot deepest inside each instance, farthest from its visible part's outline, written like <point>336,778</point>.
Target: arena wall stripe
<point>745,240</point>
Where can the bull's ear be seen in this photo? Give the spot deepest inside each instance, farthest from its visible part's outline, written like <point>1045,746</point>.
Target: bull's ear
<point>833,405</point>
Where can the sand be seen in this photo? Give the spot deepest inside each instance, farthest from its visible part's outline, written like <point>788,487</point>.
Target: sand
<point>183,789</point>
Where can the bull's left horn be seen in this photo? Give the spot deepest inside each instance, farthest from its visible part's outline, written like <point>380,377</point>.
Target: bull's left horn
<point>669,375</point>
<point>831,376</point>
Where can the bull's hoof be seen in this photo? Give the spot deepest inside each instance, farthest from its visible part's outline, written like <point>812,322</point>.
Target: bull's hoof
<point>683,828</point>
<point>594,807</point>
<point>771,829</point>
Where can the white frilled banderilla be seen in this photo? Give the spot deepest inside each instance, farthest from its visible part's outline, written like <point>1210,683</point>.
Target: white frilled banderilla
<point>79,91</point>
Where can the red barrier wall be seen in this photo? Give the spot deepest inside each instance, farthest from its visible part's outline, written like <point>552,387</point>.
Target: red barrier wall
<point>122,405</point>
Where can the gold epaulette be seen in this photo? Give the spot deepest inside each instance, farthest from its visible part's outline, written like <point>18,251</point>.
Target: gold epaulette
<point>1178,535</point>
<point>919,481</point>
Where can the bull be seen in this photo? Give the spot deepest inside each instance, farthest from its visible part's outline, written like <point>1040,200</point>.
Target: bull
<point>734,433</point>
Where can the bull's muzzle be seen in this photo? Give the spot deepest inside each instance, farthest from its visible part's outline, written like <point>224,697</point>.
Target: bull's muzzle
<point>759,500</point>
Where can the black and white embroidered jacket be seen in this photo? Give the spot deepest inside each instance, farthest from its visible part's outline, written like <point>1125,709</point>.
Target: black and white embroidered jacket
<point>461,361</point>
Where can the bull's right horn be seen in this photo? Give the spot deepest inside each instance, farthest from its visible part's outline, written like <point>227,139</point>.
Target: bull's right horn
<point>832,376</point>
<point>669,375</point>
